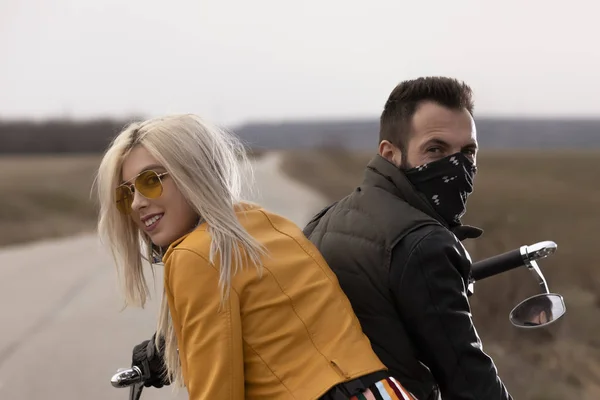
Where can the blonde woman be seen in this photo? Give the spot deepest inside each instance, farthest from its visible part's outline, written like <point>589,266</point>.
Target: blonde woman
<point>250,309</point>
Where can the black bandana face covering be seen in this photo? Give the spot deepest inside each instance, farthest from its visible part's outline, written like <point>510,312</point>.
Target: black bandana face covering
<point>446,183</point>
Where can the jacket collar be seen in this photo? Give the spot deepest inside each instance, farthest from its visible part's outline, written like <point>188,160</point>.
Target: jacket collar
<point>383,174</point>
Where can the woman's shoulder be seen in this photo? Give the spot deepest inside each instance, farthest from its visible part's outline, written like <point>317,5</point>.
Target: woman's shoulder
<point>195,242</point>
<point>266,226</point>
<point>259,221</point>
<point>278,234</point>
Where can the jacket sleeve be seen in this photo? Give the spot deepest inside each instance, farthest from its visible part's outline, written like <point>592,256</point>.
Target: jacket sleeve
<point>209,335</point>
<point>432,300</point>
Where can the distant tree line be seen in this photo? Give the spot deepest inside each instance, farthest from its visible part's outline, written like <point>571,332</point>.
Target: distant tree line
<point>57,136</point>
<point>93,136</point>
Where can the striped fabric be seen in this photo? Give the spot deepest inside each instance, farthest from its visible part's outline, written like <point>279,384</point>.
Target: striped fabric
<point>386,389</point>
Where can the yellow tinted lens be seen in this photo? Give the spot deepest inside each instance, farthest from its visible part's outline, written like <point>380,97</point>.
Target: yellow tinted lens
<point>124,198</point>
<point>149,185</point>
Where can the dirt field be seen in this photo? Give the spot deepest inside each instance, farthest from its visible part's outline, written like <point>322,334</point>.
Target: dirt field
<point>520,198</point>
<point>45,197</point>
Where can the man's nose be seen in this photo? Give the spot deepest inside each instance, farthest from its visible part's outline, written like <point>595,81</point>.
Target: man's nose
<point>139,201</point>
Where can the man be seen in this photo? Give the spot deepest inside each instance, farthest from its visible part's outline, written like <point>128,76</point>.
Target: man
<point>537,311</point>
<point>395,243</point>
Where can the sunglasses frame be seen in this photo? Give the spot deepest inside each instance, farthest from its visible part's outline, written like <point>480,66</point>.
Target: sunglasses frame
<point>132,185</point>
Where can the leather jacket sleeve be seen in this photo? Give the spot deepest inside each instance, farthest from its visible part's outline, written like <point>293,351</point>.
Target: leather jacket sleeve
<point>431,296</point>
<point>209,332</point>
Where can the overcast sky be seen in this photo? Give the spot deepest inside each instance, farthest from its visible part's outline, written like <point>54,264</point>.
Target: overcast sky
<point>238,60</point>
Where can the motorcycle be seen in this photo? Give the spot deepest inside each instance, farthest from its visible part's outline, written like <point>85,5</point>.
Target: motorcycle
<point>537,311</point>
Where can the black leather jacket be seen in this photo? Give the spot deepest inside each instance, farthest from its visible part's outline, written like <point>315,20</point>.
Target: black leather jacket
<point>406,274</point>
<point>428,275</point>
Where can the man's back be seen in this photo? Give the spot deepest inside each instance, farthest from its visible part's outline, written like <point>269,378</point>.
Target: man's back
<point>354,245</point>
<point>373,240</point>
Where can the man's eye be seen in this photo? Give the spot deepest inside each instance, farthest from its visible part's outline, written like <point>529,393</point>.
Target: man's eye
<point>470,152</point>
<point>434,149</point>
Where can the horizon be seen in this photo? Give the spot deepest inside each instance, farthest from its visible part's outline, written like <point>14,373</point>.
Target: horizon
<point>289,121</point>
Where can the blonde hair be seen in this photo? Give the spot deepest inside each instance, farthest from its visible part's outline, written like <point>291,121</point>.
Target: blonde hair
<point>208,165</point>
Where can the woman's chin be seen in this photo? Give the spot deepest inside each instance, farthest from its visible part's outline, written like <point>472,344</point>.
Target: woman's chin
<point>158,239</point>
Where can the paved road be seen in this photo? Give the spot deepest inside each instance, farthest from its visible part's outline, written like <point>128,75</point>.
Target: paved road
<point>62,334</point>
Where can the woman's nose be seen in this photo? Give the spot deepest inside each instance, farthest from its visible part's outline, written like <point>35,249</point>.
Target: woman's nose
<point>139,201</point>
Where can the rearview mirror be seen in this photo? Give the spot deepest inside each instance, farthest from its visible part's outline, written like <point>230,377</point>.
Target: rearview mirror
<point>538,311</point>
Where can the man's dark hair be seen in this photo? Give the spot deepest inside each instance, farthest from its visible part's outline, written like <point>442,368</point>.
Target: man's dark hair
<point>396,118</point>
<point>537,305</point>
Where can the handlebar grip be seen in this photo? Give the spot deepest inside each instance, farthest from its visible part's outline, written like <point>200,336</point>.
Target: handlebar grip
<point>497,264</point>
<point>127,377</point>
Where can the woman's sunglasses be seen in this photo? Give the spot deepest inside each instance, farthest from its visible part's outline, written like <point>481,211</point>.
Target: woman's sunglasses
<point>147,183</point>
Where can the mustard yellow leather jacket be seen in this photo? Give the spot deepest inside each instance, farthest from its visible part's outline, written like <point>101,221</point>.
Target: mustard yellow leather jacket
<point>291,334</point>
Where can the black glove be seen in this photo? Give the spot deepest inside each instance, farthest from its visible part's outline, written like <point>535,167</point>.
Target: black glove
<point>149,360</point>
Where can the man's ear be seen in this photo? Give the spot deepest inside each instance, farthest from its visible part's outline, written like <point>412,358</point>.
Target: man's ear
<point>390,152</point>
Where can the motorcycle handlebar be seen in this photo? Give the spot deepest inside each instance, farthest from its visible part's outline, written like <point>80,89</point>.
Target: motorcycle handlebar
<point>512,259</point>
<point>497,264</point>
